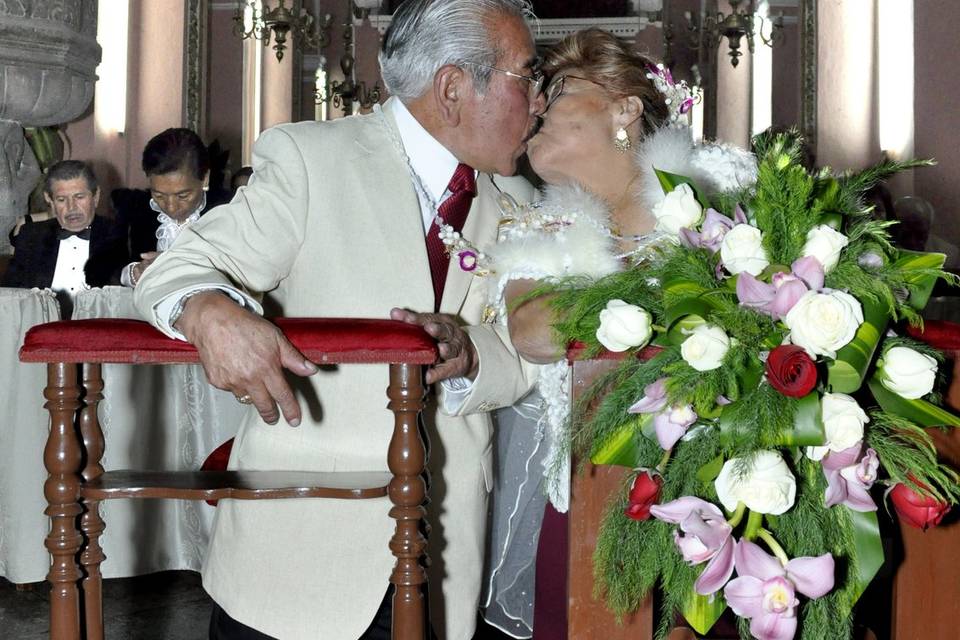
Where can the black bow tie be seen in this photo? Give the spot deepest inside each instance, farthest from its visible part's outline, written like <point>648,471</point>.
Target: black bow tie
<point>64,234</point>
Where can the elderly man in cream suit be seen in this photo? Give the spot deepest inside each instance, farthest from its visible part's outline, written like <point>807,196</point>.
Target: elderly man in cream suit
<point>333,224</point>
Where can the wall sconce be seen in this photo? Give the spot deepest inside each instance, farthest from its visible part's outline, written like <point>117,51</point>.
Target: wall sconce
<point>348,92</point>
<point>255,19</point>
<point>709,28</point>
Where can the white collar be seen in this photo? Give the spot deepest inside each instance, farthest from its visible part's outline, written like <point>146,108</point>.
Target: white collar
<point>429,159</point>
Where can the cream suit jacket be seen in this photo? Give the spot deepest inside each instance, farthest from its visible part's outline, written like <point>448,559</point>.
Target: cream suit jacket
<point>331,225</point>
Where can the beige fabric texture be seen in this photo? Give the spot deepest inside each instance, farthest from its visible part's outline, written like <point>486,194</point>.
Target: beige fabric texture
<point>330,225</point>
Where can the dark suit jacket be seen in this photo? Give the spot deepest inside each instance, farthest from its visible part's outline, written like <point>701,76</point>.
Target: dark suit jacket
<point>37,246</point>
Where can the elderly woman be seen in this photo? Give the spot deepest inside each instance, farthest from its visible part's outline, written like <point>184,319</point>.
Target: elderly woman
<point>606,126</point>
<point>177,166</point>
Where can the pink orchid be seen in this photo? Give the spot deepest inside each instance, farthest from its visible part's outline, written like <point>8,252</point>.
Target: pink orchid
<point>715,226</point>
<point>672,423</point>
<point>849,479</point>
<point>778,297</point>
<point>706,537</point>
<point>669,423</point>
<point>654,398</point>
<point>765,591</point>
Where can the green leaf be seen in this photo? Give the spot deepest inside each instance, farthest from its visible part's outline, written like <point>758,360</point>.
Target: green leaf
<point>702,612</point>
<point>920,283</point>
<point>807,427</point>
<point>670,181</point>
<point>688,306</point>
<point>807,424</point>
<point>832,220</point>
<point>845,374</point>
<point>709,472</point>
<point>868,549</point>
<point>918,411</point>
<point>621,447</point>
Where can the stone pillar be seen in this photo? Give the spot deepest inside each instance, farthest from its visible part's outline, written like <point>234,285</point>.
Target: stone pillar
<point>48,54</point>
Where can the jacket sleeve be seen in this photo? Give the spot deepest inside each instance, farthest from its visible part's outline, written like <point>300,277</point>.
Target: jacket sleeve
<point>111,256</point>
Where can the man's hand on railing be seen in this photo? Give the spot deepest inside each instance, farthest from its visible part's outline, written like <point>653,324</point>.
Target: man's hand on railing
<point>244,354</point>
<point>458,357</point>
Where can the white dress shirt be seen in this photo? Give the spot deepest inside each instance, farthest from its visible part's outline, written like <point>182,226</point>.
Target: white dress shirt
<point>68,276</point>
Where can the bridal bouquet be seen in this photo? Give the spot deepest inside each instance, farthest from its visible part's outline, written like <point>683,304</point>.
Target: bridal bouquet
<point>774,411</point>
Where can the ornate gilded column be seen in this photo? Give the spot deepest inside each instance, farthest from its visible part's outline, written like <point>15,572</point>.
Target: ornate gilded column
<point>48,55</point>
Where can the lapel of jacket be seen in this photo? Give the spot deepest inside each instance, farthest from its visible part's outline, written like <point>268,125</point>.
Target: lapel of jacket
<point>48,254</point>
<point>397,225</point>
<point>481,231</point>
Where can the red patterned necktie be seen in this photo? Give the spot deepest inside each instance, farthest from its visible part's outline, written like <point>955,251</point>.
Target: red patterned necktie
<point>453,211</point>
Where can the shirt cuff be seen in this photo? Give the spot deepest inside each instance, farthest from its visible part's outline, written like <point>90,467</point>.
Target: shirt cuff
<point>455,394</point>
<point>173,304</point>
<point>125,279</point>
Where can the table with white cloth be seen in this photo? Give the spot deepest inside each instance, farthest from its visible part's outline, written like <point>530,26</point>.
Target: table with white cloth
<point>153,418</point>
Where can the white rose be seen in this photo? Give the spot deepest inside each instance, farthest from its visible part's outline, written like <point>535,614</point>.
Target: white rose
<point>908,373</point>
<point>765,486</point>
<point>742,250</point>
<point>705,347</point>
<point>821,323</point>
<point>677,210</point>
<point>623,326</point>
<point>843,421</point>
<point>824,243</point>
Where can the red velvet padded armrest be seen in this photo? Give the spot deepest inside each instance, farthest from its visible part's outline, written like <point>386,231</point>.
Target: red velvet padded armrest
<point>940,334</point>
<point>322,340</point>
<point>578,350</point>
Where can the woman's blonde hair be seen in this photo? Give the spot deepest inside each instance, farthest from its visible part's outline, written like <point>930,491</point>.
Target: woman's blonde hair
<point>611,63</point>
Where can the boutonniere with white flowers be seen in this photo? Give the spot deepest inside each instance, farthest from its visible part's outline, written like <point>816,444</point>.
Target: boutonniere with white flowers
<point>775,408</point>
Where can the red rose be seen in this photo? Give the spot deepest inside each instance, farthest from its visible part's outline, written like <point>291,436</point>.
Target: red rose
<point>917,510</point>
<point>791,371</point>
<point>643,495</point>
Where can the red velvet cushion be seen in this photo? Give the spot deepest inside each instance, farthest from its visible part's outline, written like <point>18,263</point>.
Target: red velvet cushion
<point>578,350</point>
<point>217,461</point>
<point>942,334</point>
<point>322,340</point>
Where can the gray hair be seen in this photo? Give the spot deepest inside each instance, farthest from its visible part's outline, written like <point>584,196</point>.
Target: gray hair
<point>424,35</point>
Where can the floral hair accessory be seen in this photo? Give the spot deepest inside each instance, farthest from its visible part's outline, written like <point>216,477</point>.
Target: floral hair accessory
<point>678,96</point>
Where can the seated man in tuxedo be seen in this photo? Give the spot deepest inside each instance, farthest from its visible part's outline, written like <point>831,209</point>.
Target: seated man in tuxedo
<point>75,250</point>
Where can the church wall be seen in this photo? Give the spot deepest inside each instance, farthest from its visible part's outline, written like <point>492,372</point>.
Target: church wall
<point>937,119</point>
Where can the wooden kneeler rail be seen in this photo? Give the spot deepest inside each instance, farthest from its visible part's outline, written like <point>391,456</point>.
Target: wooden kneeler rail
<point>74,352</point>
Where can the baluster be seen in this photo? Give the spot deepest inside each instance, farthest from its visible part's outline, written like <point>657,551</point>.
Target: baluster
<point>62,458</point>
<point>91,524</point>
<point>406,459</point>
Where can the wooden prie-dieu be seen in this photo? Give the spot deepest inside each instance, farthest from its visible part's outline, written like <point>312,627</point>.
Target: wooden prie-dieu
<point>74,352</point>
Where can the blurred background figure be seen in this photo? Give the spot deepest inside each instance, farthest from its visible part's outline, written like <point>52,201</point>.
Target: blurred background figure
<point>240,178</point>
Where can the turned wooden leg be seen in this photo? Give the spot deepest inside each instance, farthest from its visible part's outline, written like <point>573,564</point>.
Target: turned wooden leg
<point>406,459</point>
<point>62,458</point>
<point>91,524</point>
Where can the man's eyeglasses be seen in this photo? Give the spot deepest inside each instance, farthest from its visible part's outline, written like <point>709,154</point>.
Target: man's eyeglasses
<point>555,90</point>
<point>536,80</point>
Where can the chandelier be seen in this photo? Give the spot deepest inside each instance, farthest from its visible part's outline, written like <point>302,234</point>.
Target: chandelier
<point>710,28</point>
<point>256,19</point>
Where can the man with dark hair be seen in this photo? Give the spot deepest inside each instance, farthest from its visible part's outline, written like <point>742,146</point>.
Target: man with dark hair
<point>75,250</point>
<point>348,219</point>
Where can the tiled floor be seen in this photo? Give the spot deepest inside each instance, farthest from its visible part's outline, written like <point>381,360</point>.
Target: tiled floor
<point>163,606</point>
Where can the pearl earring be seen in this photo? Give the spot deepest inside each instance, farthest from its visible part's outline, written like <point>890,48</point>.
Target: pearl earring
<point>621,141</point>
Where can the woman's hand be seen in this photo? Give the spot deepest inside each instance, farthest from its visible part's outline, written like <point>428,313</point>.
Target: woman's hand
<point>531,324</point>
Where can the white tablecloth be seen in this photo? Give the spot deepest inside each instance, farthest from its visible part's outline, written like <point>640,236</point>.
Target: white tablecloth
<point>153,417</point>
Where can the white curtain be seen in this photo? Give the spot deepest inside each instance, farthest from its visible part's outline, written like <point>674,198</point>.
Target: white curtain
<point>153,417</point>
